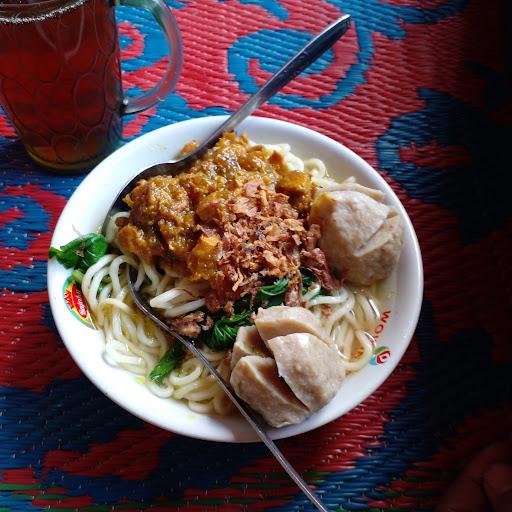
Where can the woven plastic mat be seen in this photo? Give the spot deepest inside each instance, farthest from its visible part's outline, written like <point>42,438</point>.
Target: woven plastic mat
<point>420,89</point>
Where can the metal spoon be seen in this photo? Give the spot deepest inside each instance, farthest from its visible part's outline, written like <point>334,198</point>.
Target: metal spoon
<point>300,61</point>
<point>314,49</point>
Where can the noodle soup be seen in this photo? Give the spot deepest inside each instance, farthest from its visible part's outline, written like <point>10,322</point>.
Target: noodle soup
<point>214,245</point>
<point>398,297</point>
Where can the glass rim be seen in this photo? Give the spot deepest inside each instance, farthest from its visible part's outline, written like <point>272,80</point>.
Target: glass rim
<point>18,13</point>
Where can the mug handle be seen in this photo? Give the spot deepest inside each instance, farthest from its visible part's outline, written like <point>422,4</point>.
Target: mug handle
<point>169,27</point>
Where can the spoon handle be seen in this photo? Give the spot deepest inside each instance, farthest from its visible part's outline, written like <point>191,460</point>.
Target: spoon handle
<point>246,412</point>
<point>298,63</point>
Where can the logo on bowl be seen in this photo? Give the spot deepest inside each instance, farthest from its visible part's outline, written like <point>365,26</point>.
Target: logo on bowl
<point>380,355</point>
<point>75,302</point>
<point>382,324</point>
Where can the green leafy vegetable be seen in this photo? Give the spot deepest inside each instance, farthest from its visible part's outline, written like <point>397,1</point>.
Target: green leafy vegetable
<point>172,359</point>
<point>67,255</point>
<point>271,295</point>
<point>225,328</point>
<point>95,248</point>
<point>308,279</point>
<point>82,252</point>
<point>77,276</point>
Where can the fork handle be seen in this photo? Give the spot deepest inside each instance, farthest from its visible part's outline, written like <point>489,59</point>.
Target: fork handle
<point>247,413</point>
<point>251,418</point>
<point>298,63</point>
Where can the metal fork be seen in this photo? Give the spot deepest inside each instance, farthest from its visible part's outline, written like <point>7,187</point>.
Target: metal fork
<point>253,420</point>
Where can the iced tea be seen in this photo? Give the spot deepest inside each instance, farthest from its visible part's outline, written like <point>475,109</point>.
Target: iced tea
<point>60,79</point>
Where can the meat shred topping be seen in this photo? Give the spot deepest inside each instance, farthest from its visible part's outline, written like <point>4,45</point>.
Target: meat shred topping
<point>237,219</point>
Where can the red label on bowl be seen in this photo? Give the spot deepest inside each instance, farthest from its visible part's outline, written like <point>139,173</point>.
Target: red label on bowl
<point>75,303</point>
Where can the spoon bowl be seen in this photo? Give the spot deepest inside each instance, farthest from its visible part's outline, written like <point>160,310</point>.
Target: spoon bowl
<point>298,63</point>
<point>314,49</point>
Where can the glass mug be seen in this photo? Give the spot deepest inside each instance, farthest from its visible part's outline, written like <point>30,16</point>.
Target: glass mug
<point>60,76</point>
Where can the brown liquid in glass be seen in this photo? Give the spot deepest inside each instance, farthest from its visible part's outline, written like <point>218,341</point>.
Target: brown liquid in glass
<point>60,81</point>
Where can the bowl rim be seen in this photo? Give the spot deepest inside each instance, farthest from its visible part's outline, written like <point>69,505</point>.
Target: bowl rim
<point>143,140</point>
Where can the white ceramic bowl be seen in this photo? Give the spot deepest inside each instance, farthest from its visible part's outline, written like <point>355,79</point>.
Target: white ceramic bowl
<point>86,210</point>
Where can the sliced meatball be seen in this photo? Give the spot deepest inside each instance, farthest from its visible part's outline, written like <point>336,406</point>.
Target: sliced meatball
<point>360,236</point>
<point>313,370</point>
<point>283,320</point>
<point>248,343</point>
<point>256,381</point>
<point>378,195</point>
<point>347,220</point>
<point>377,258</point>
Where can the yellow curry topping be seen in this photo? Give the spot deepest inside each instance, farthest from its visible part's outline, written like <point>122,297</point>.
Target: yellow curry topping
<point>234,218</point>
